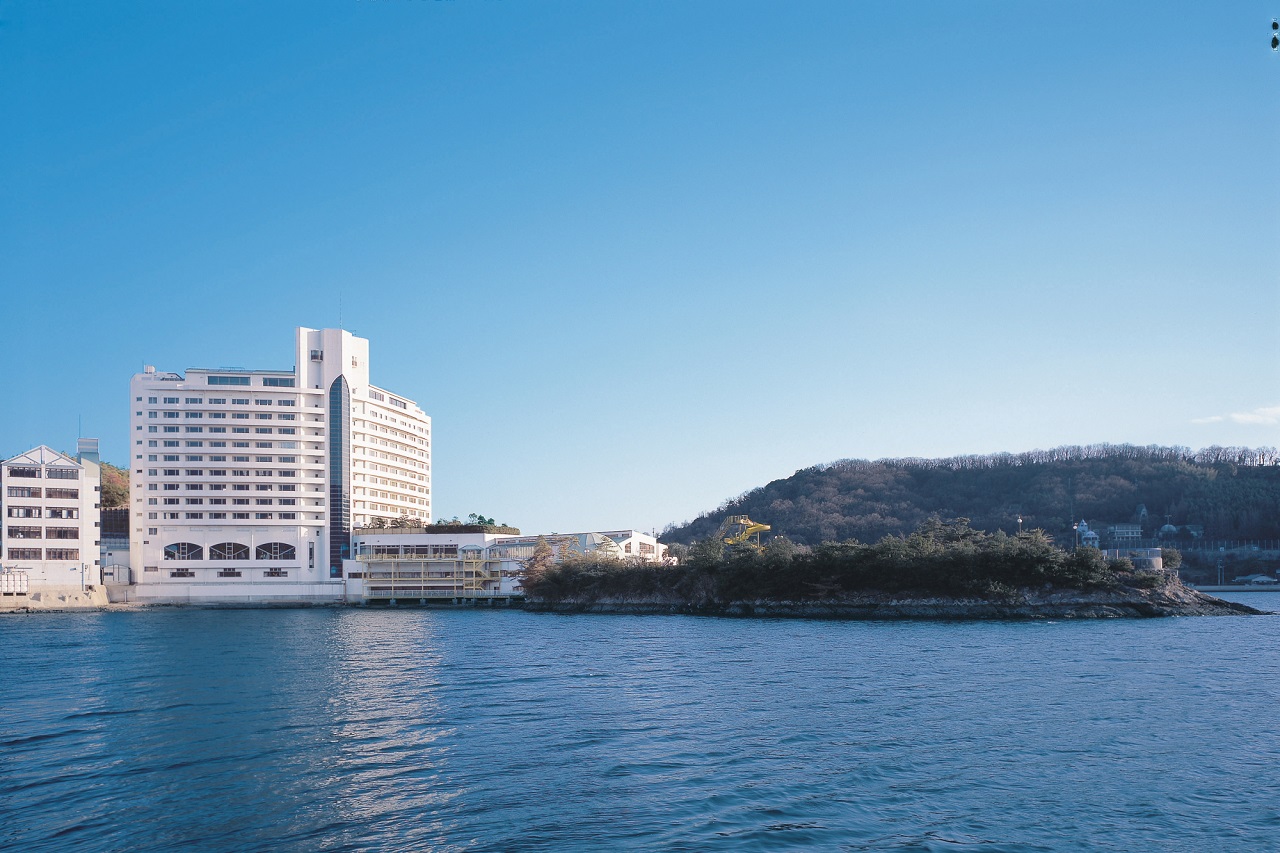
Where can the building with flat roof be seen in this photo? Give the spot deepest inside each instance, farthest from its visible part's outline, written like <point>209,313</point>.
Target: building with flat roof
<point>246,484</point>
<point>50,526</point>
<point>421,565</point>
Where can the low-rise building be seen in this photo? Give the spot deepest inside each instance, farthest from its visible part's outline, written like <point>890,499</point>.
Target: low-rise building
<point>51,521</point>
<point>468,563</point>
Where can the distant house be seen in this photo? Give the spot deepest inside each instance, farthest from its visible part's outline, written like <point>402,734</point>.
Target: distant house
<point>1255,580</point>
<point>1086,537</point>
<point>1120,535</point>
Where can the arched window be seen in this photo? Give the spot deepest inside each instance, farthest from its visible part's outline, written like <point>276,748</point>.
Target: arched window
<point>276,551</point>
<point>228,551</point>
<point>183,551</point>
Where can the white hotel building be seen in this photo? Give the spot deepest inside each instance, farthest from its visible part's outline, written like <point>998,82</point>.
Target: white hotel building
<point>246,484</point>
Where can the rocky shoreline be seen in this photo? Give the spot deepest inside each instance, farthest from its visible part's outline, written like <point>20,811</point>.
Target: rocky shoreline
<point>1170,599</point>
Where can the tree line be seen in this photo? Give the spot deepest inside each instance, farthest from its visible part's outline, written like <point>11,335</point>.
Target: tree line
<point>1233,492</point>
<point>938,558</point>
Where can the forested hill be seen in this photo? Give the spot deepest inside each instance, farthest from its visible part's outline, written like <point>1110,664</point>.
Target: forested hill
<point>1233,492</point>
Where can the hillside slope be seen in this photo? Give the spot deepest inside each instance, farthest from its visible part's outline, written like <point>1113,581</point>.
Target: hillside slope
<point>1234,493</point>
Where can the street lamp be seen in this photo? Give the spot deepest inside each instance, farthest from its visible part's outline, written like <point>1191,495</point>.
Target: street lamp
<point>1019,525</point>
<point>1076,529</point>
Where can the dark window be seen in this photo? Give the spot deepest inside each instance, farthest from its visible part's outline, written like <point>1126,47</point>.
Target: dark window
<point>276,551</point>
<point>228,551</point>
<point>228,380</point>
<point>183,551</point>
<point>339,466</point>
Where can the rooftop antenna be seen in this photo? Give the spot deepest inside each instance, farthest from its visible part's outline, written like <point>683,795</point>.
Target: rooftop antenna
<point>79,427</point>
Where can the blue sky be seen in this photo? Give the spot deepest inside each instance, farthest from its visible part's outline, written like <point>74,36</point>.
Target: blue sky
<point>636,258</point>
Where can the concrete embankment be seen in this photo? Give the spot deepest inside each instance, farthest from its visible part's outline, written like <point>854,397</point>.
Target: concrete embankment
<point>54,599</point>
<point>1169,600</point>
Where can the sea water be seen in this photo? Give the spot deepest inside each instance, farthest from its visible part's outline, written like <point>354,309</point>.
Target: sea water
<point>360,729</point>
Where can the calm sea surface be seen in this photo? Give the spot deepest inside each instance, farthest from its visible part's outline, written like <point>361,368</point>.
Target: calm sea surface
<point>472,730</point>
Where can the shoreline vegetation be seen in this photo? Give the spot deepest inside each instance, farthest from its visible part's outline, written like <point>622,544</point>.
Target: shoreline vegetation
<point>943,570</point>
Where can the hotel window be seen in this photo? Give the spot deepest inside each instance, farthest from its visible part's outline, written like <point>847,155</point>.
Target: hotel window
<point>287,416</point>
<point>172,429</point>
<point>195,443</point>
<point>228,551</point>
<point>263,416</point>
<point>195,414</point>
<point>288,459</point>
<point>218,501</point>
<point>195,487</point>
<point>262,444</point>
<point>196,400</point>
<point>277,382</point>
<point>228,380</point>
<point>24,512</point>
<point>240,429</point>
<point>239,444</point>
<point>195,515</point>
<point>240,416</point>
<point>262,402</point>
<point>62,533</point>
<point>171,399</point>
<point>195,472</point>
<point>217,515</point>
<point>173,414</point>
<point>62,554</point>
<point>171,472</point>
<point>152,400</point>
<point>263,487</point>
<point>62,474</point>
<point>263,430</point>
<point>262,515</point>
<point>263,501</point>
<point>61,512</point>
<point>171,444</point>
<point>24,492</point>
<point>24,553</point>
<point>218,430</point>
<point>216,415</point>
<point>239,401</point>
<point>195,458</point>
<point>239,515</point>
<point>285,403</point>
<point>287,487</point>
<point>195,429</point>
<point>26,532</point>
<point>172,501</point>
<point>217,401</point>
<point>239,501</point>
<point>275,550</point>
<point>285,430</point>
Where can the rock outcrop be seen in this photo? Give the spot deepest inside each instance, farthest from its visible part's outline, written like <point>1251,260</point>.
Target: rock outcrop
<point>1171,598</point>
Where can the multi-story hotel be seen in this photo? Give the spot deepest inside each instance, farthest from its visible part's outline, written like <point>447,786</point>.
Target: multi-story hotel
<point>50,522</point>
<point>246,484</point>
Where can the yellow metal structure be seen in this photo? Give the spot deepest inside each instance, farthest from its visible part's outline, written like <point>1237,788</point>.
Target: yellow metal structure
<point>737,529</point>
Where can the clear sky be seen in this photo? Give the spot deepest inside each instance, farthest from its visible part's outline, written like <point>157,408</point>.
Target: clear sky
<point>635,258</point>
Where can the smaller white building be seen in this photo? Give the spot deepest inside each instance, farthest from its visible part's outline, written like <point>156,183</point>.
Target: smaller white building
<point>51,521</point>
<point>407,565</point>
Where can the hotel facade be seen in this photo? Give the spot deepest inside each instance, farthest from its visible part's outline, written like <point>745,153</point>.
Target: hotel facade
<point>246,484</point>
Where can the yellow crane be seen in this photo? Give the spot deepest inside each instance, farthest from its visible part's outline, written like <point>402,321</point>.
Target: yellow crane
<point>736,529</point>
